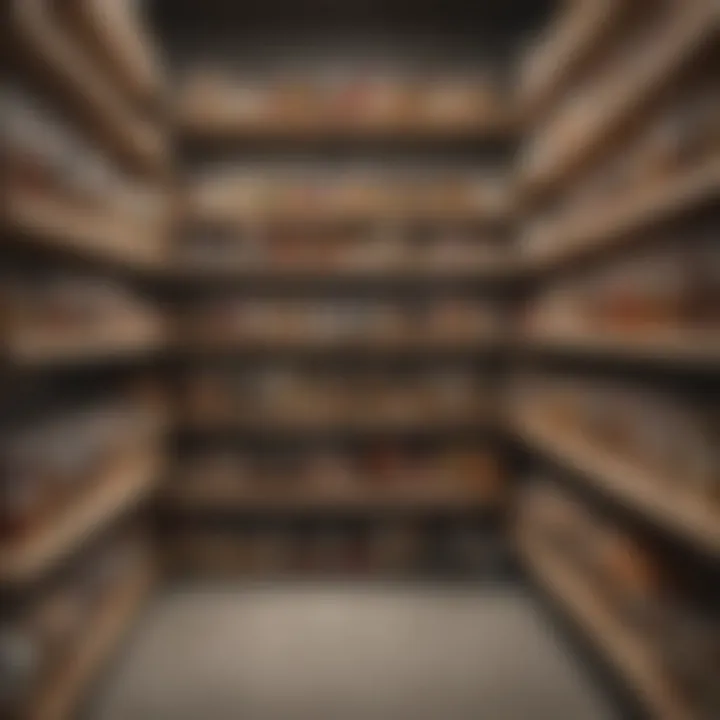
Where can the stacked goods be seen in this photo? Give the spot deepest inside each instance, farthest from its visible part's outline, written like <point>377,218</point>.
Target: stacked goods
<point>670,436</point>
<point>56,311</point>
<point>355,251</point>
<point>280,194</point>
<point>286,396</point>
<point>672,290</point>
<point>378,475</point>
<point>213,103</point>
<point>372,322</point>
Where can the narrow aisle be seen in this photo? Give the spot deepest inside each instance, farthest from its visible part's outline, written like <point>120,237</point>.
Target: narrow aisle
<point>347,653</point>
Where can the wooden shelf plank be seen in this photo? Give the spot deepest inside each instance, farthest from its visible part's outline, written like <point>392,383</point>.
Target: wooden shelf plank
<point>695,349</point>
<point>117,342</point>
<point>580,29</point>
<point>619,97</point>
<point>616,220</point>
<point>126,484</point>
<point>626,652</point>
<point>52,223</point>
<point>103,633</point>
<point>690,518</point>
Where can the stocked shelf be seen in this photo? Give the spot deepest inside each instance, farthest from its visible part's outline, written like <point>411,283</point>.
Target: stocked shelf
<point>625,651</point>
<point>126,484</point>
<point>614,221</point>
<point>50,223</point>
<point>25,349</point>
<point>690,518</point>
<point>83,86</point>
<point>619,97</point>
<point>103,633</point>
<point>694,349</point>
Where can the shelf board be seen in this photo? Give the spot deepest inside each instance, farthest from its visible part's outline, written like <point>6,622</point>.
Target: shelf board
<point>689,518</point>
<point>126,484</point>
<point>82,86</point>
<point>26,350</point>
<point>618,98</point>
<point>39,220</point>
<point>64,690</point>
<point>694,349</point>
<point>618,221</point>
<point>625,651</point>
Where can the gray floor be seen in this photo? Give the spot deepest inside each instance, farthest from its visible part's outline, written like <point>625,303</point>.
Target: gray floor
<point>347,653</point>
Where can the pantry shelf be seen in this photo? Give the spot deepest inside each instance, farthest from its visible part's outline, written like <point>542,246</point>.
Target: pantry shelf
<point>103,633</point>
<point>618,221</point>
<point>82,86</point>
<point>679,513</point>
<point>693,349</point>
<point>46,223</point>
<point>127,483</point>
<point>115,342</point>
<point>627,652</point>
<point>551,163</point>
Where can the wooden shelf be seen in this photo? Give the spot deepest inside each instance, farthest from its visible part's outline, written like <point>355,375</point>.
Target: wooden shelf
<point>696,349</point>
<point>618,98</point>
<point>409,500</point>
<point>81,85</point>
<point>581,29</point>
<point>116,342</point>
<point>690,518</point>
<point>51,223</point>
<point>614,222</point>
<point>104,631</point>
<point>126,485</point>
<point>114,33</point>
<point>626,652</point>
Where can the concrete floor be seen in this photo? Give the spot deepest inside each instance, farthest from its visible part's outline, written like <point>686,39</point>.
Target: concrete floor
<point>347,653</point>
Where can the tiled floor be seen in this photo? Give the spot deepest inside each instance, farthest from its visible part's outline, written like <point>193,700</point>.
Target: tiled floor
<point>347,653</point>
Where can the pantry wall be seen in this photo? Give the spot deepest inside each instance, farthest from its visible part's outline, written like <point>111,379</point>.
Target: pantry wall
<point>376,291</point>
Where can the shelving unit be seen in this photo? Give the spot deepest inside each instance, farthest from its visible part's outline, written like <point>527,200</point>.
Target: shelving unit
<point>64,692</point>
<point>690,518</point>
<point>124,486</point>
<point>576,137</point>
<point>627,653</point>
<point>84,213</point>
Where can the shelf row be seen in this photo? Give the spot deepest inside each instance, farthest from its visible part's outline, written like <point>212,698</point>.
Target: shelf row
<point>135,474</point>
<point>216,106</point>
<point>42,221</point>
